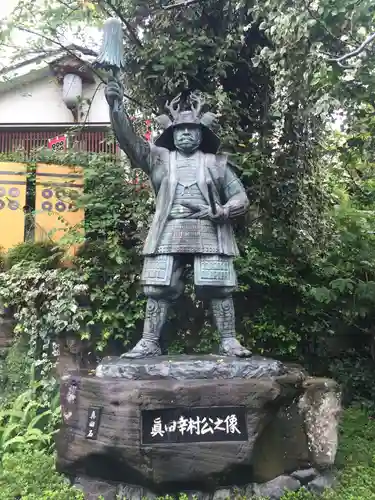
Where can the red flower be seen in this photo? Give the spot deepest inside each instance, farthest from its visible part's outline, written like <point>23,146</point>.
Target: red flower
<point>147,135</point>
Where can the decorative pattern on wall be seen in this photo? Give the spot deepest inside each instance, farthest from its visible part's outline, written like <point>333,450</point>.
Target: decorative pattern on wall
<point>12,202</point>
<point>57,188</point>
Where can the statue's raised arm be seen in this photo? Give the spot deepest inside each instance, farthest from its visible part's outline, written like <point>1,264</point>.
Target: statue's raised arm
<point>135,147</point>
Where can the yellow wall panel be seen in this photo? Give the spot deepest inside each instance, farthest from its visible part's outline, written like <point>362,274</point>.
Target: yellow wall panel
<point>56,188</point>
<point>12,202</point>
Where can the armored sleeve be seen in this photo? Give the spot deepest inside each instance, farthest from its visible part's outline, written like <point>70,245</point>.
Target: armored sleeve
<point>135,147</point>
<point>237,201</point>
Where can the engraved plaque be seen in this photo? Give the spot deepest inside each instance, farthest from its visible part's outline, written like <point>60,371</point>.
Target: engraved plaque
<point>189,425</point>
<point>93,421</point>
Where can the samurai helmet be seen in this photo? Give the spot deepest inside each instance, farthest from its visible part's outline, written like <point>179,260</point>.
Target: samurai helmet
<point>193,116</point>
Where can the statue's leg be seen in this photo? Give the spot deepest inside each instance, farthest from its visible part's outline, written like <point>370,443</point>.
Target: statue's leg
<point>224,318</point>
<point>159,298</point>
<point>215,280</point>
<point>223,313</point>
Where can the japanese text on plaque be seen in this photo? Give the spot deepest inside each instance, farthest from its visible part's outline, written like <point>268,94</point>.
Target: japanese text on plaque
<point>93,421</point>
<point>195,424</point>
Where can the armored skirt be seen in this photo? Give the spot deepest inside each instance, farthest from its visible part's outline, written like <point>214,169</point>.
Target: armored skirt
<point>186,242</point>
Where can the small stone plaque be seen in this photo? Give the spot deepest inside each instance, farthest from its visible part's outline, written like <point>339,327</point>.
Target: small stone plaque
<point>193,425</point>
<point>93,421</point>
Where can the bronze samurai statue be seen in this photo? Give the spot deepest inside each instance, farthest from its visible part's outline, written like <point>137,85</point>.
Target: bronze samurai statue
<point>197,195</point>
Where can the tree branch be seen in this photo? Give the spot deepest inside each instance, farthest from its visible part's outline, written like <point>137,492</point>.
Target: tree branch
<point>179,3</point>
<point>320,21</point>
<point>61,45</point>
<point>61,2</point>
<point>353,53</point>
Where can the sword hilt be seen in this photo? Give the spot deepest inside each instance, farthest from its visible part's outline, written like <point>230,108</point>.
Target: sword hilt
<point>211,197</point>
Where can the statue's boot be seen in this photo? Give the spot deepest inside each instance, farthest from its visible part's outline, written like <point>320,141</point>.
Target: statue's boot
<point>148,346</point>
<point>224,318</point>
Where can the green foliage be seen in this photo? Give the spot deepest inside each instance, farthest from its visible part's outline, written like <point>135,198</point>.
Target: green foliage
<point>29,420</point>
<point>30,474</point>
<point>98,298</point>
<point>117,208</point>
<point>47,254</point>
<point>356,457</point>
<point>15,371</point>
<point>47,306</point>
<point>355,373</point>
<point>19,425</point>
<point>2,259</point>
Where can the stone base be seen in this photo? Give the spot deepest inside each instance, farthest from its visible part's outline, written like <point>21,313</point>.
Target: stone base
<point>287,422</point>
<point>185,367</point>
<point>310,479</point>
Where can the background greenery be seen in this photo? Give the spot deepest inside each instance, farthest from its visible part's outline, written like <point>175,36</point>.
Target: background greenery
<point>300,129</point>
<point>306,270</point>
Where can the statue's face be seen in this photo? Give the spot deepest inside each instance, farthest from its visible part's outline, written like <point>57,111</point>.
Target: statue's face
<point>187,138</point>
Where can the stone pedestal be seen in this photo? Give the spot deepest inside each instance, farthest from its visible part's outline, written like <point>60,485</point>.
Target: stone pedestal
<point>196,423</point>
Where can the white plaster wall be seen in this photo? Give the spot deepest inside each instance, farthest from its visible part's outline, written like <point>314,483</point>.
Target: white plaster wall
<point>98,110</point>
<point>41,102</point>
<point>35,102</point>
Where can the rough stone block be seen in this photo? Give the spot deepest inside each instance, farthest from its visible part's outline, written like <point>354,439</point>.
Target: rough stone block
<point>305,475</point>
<point>197,495</point>
<point>266,394</point>
<point>223,494</point>
<point>322,482</point>
<point>130,492</point>
<point>95,489</point>
<point>276,488</point>
<point>118,453</point>
<point>282,446</point>
<point>185,367</point>
<point>321,408</point>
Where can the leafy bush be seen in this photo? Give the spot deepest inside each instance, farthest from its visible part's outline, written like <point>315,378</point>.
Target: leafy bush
<point>117,211</point>
<point>116,306</point>
<point>15,371</point>
<point>30,474</point>
<point>355,373</point>
<point>47,254</point>
<point>47,306</point>
<point>2,259</point>
<point>28,420</point>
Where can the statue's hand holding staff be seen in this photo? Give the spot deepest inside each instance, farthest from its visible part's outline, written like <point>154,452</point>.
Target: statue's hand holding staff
<point>114,92</point>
